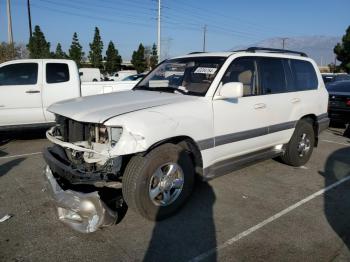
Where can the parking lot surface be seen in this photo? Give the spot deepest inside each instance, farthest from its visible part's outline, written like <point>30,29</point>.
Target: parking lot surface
<point>265,212</point>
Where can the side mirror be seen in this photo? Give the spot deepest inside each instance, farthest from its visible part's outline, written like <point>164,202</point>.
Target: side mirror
<point>231,90</point>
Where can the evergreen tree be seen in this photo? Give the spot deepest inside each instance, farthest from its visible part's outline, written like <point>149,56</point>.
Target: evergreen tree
<point>154,57</point>
<point>95,54</point>
<point>113,59</point>
<point>342,50</point>
<point>11,51</point>
<point>138,59</point>
<point>76,50</point>
<point>59,52</point>
<point>38,46</point>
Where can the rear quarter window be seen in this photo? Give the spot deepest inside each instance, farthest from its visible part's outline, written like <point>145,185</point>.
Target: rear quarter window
<point>304,75</point>
<point>57,73</point>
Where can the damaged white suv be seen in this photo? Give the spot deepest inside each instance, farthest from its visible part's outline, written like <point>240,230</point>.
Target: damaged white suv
<point>199,115</point>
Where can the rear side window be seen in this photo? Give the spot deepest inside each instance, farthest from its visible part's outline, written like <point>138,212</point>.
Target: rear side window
<point>57,73</point>
<point>304,74</point>
<point>272,76</point>
<point>19,74</point>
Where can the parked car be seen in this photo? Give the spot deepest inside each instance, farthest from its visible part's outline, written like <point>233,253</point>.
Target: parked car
<point>341,77</point>
<point>120,75</point>
<point>339,102</point>
<point>199,115</point>
<point>136,77</point>
<point>327,77</point>
<point>29,86</point>
<point>90,75</point>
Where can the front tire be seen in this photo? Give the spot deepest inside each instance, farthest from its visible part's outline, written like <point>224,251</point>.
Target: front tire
<point>299,149</point>
<point>158,184</point>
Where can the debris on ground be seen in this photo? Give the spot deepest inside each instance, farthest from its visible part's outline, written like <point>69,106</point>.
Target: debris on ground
<point>6,217</point>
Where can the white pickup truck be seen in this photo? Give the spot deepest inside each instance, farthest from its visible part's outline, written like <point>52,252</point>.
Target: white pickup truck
<point>28,87</point>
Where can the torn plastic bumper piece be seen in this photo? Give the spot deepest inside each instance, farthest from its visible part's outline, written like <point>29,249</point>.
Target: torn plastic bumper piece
<point>84,212</point>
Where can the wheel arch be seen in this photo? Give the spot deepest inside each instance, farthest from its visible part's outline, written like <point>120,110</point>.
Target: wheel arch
<point>188,144</point>
<point>312,118</point>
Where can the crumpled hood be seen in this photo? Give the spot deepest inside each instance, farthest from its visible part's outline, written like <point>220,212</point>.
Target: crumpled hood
<point>99,108</point>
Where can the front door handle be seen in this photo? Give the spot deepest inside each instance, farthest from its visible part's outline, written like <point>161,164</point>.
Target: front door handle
<point>259,106</point>
<point>32,91</point>
<point>295,100</point>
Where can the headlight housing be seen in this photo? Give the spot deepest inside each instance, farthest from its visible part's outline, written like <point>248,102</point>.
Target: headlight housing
<point>115,134</point>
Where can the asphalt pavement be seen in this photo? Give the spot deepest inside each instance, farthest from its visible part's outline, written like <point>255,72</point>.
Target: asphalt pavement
<point>264,212</point>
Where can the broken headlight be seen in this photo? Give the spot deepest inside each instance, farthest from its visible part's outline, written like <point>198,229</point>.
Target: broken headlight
<point>116,133</point>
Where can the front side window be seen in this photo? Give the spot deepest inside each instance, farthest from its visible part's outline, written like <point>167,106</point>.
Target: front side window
<point>271,75</point>
<point>189,76</point>
<point>242,70</point>
<point>304,75</point>
<point>57,73</point>
<point>19,74</point>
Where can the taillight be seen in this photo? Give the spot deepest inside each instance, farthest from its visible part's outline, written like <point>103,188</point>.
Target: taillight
<point>348,102</point>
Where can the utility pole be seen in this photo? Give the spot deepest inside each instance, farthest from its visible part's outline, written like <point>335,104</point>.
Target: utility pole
<point>204,36</point>
<point>283,41</point>
<point>158,45</point>
<point>9,23</point>
<point>29,19</point>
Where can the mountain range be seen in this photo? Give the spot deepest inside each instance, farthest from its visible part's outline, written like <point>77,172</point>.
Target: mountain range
<point>319,48</point>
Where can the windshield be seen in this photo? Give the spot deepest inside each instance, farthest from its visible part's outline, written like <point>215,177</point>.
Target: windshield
<point>341,78</point>
<point>343,86</point>
<point>190,76</point>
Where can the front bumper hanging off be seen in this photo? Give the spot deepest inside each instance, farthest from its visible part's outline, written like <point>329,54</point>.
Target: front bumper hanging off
<point>84,212</point>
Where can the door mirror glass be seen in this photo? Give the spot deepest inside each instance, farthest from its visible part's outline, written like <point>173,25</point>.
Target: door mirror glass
<point>230,90</point>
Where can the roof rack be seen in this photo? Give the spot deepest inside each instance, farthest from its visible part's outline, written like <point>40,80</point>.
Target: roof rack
<point>193,53</point>
<point>273,50</point>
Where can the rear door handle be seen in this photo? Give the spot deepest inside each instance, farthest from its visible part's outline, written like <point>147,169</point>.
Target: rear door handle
<point>295,100</point>
<point>32,91</point>
<point>259,106</point>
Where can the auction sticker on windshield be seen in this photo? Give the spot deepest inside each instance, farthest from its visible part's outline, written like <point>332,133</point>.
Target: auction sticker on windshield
<point>205,70</point>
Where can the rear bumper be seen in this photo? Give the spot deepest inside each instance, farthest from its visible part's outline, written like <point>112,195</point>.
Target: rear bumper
<point>83,212</point>
<point>339,115</point>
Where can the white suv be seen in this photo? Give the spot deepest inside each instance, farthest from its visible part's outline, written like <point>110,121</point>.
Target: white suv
<point>203,114</point>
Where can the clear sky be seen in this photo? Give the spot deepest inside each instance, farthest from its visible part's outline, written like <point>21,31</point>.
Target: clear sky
<point>128,22</point>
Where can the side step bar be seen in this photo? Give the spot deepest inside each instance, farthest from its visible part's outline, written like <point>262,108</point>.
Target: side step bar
<point>226,166</point>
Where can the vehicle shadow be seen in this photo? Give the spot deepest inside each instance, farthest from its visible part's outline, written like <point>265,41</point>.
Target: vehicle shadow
<point>24,134</point>
<point>337,200</point>
<point>5,168</point>
<point>187,234</point>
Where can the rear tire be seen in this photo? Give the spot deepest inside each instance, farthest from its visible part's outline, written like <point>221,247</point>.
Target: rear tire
<point>167,169</point>
<point>299,149</point>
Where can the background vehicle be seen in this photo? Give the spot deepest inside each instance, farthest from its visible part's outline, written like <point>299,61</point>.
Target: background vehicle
<point>339,102</point>
<point>28,87</point>
<point>202,114</point>
<point>120,75</point>
<point>341,77</point>
<point>327,77</point>
<point>136,77</point>
<point>90,75</point>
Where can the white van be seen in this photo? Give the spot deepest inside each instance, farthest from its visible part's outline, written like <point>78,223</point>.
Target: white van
<point>90,74</point>
<point>120,75</point>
